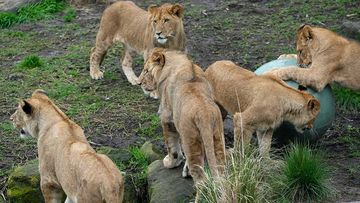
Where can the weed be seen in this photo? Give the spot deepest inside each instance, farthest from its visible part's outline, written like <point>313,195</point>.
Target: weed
<point>32,61</point>
<point>347,99</point>
<point>138,164</point>
<point>306,178</point>
<point>70,14</point>
<point>32,12</point>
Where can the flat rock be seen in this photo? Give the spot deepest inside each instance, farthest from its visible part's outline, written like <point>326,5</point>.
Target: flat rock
<point>13,5</point>
<point>352,27</point>
<point>167,185</point>
<point>150,152</point>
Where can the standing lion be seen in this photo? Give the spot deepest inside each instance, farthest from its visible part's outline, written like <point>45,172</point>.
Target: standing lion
<point>139,31</point>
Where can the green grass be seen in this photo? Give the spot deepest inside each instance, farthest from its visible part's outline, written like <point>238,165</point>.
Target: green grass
<point>248,178</point>
<point>306,178</point>
<point>347,99</point>
<point>32,12</point>
<point>32,61</point>
<point>70,14</point>
<point>138,166</point>
<point>150,125</point>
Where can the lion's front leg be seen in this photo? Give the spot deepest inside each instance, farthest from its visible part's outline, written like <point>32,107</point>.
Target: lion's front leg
<point>127,67</point>
<point>52,192</point>
<point>172,140</point>
<point>242,131</point>
<point>264,140</point>
<point>307,77</point>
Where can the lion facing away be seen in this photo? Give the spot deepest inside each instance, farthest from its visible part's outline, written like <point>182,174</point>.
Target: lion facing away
<point>259,103</point>
<point>67,163</point>
<point>187,112</point>
<point>139,31</point>
<point>329,57</point>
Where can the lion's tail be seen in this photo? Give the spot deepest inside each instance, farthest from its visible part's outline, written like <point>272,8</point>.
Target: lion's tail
<point>212,134</point>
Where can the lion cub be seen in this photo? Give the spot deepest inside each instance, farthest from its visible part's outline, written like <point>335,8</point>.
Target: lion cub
<point>187,112</point>
<point>67,163</point>
<point>330,58</point>
<point>139,31</point>
<point>264,102</point>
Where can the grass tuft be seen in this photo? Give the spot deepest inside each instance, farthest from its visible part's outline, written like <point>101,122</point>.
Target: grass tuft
<point>31,12</point>
<point>347,99</point>
<point>70,14</point>
<point>31,61</point>
<point>306,178</point>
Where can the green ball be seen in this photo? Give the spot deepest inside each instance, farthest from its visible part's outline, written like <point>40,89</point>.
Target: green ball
<point>324,119</point>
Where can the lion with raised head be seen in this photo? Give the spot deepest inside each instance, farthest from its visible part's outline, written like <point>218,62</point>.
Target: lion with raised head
<point>187,112</point>
<point>329,57</point>
<point>67,163</point>
<point>259,103</point>
<point>139,31</point>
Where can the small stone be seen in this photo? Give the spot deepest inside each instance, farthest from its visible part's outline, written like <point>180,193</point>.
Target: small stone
<point>150,152</point>
<point>352,27</point>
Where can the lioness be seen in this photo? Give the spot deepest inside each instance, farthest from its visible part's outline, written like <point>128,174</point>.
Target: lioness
<point>330,58</point>
<point>139,31</point>
<point>187,112</point>
<point>264,102</point>
<point>67,163</point>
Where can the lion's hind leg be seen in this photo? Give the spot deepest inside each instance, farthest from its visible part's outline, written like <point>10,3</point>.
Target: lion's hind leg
<point>127,66</point>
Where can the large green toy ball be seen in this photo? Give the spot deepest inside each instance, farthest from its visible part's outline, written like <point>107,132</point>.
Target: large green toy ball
<point>327,107</point>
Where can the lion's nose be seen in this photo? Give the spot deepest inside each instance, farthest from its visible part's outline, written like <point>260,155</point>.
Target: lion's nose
<point>158,33</point>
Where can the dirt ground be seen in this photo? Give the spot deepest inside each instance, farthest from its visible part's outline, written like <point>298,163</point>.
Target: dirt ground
<point>116,114</point>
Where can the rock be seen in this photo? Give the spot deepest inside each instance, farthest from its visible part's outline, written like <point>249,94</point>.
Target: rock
<point>23,184</point>
<point>167,185</point>
<point>352,27</point>
<point>150,152</point>
<point>118,156</point>
<point>13,5</point>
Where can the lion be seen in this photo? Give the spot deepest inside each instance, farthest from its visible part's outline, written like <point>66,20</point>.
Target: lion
<point>67,163</point>
<point>139,31</point>
<point>187,112</point>
<point>329,57</point>
<point>259,103</point>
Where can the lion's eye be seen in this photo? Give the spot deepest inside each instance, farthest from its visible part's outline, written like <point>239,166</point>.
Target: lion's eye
<point>166,20</point>
<point>155,21</point>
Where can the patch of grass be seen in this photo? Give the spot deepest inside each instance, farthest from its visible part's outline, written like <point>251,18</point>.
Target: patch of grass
<point>150,126</point>
<point>6,127</point>
<point>306,178</point>
<point>347,99</point>
<point>138,165</point>
<point>247,179</point>
<point>32,61</point>
<point>352,141</point>
<point>32,12</point>
<point>70,14</point>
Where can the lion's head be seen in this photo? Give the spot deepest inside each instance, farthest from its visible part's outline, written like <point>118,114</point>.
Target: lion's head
<point>166,21</point>
<point>26,116</point>
<point>305,118</point>
<point>152,69</point>
<point>305,43</point>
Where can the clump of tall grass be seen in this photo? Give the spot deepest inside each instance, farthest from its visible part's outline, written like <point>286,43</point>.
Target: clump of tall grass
<point>31,61</point>
<point>304,177</point>
<point>347,99</point>
<point>248,178</point>
<point>31,12</point>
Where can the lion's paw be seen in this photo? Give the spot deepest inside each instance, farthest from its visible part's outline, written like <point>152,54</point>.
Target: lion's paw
<point>96,75</point>
<point>171,162</point>
<point>154,94</point>
<point>186,173</point>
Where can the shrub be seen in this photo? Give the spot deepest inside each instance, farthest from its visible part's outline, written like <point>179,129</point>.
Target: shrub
<point>31,61</point>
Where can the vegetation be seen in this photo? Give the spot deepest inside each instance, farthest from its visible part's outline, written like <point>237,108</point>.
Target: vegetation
<point>347,99</point>
<point>33,12</point>
<point>70,14</point>
<point>32,61</point>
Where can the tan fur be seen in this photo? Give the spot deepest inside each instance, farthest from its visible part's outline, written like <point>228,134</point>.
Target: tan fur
<point>67,163</point>
<point>187,111</point>
<point>264,102</point>
<point>330,57</point>
<point>136,28</point>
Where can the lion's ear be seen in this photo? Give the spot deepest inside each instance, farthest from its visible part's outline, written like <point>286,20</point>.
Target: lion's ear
<point>177,10</point>
<point>307,32</point>
<point>26,107</point>
<point>152,9</point>
<point>158,58</point>
<point>39,91</point>
<point>313,105</point>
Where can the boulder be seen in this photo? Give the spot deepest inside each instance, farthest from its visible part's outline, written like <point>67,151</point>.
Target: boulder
<point>23,184</point>
<point>14,5</point>
<point>150,152</point>
<point>167,185</point>
<point>352,27</point>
